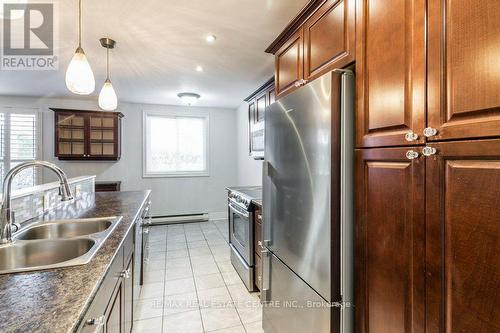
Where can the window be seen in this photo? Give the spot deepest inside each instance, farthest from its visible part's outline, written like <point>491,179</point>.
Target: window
<point>19,142</point>
<point>175,144</point>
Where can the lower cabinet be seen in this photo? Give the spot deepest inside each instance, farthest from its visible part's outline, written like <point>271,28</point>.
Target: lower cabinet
<point>112,308</point>
<point>113,314</point>
<point>390,240</point>
<point>428,238</point>
<point>129,294</point>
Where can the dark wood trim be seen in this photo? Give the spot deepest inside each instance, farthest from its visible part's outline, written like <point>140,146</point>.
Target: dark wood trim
<point>268,83</point>
<point>119,114</point>
<point>293,25</point>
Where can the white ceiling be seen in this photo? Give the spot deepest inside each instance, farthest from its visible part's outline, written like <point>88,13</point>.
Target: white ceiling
<point>159,45</point>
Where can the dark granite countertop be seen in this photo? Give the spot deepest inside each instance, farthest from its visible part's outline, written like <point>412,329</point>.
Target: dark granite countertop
<point>56,300</point>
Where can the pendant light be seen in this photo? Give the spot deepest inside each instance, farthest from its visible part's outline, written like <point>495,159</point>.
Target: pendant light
<point>107,97</point>
<point>79,76</point>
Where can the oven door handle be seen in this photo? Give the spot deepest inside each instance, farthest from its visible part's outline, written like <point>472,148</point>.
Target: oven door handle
<point>237,211</point>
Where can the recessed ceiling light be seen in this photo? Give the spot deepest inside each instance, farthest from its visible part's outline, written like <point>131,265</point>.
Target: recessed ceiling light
<point>199,68</point>
<point>211,38</point>
<point>188,98</point>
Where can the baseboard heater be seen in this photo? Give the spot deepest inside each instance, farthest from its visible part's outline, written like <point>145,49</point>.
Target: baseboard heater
<point>185,218</point>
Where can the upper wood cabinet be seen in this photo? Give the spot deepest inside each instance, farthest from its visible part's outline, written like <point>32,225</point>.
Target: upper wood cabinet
<point>463,237</point>
<point>320,38</point>
<point>390,72</point>
<point>454,96</point>
<point>257,103</point>
<point>329,38</point>
<point>464,70</point>
<point>289,64</point>
<point>390,241</point>
<point>87,135</point>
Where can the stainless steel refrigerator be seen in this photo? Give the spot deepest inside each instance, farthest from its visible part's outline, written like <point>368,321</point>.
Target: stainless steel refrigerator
<point>308,208</point>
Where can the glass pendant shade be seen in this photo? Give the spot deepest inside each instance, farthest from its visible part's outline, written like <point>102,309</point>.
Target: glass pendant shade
<point>79,76</point>
<point>107,97</point>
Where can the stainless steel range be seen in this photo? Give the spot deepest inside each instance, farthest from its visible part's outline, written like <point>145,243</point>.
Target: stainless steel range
<point>241,230</point>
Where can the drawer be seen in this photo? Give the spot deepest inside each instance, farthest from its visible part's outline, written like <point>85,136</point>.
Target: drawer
<point>257,238</point>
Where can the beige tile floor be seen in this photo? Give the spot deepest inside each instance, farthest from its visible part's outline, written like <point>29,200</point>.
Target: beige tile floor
<point>191,286</point>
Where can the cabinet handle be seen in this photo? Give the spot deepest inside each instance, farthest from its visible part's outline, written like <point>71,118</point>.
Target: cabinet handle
<point>411,136</point>
<point>145,230</point>
<point>411,154</point>
<point>97,322</point>
<point>125,274</point>
<point>429,151</point>
<point>429,132</point>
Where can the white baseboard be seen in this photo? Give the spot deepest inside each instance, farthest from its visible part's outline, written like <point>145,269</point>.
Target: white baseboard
<point>214,216</point>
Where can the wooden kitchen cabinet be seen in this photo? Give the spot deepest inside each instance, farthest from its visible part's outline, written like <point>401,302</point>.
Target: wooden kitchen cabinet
<point>87,135</point>
<point>463,237</point>
<point>128,298</point>
<point>257,246</point>
<point>390,241</point>
<point>114,313</point>
<point>289,64</point>
<point>463,71</point>
<point>329,36</point>
<point>427,238</point>
<point>320,38</point>
<point>112,307</point>
<point>390,72</point>
<point>257,103</point>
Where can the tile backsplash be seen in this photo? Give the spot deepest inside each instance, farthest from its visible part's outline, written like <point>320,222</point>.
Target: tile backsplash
<point>46,197</point>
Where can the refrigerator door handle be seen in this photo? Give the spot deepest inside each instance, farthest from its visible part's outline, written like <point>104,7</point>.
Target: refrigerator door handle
<point>265,293</point>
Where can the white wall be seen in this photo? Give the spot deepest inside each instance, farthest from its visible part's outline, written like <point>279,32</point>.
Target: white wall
<point>170,195</point>
<point>249,170</point>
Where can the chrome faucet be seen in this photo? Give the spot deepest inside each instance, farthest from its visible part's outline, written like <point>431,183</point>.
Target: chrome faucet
<point>7,219</point>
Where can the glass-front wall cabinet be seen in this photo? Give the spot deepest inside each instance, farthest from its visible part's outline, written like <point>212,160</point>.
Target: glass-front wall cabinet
<point>87,135</point>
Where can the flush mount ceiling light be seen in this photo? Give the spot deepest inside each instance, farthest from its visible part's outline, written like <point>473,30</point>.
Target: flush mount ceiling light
<point>211,38</point>
<point>107,97</point>
<point>199,68</point>
<point>79,76</point>
<point>188,98</point>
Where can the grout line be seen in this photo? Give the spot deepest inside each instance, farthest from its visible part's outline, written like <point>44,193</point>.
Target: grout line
<point>194,282</point>
<point>225,284</point>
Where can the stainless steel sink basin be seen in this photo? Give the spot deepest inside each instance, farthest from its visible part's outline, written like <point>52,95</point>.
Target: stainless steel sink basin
<point>55,244</point>
<point>25,255</point>
<point>65,229</point>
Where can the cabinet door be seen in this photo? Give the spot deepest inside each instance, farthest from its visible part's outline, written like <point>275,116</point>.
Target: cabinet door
<point>261,101</point>
<point>129,294</point>
<point>289,64</point>
<point>271,96</point>
<point>389,241</point>
<point>114,311</point>
<point>258,272</point>
<point>70,135</point>
<point>329,38</point>
<point>463,70</point>
<point>103,136</point>
<point>463,237</point>
<point>390,69</point>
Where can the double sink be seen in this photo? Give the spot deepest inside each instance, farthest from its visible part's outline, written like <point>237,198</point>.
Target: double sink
<point>56,244</point>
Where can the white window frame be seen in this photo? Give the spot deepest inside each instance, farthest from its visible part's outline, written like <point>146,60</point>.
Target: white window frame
<point>39,137</point>
<point>177,174</point>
